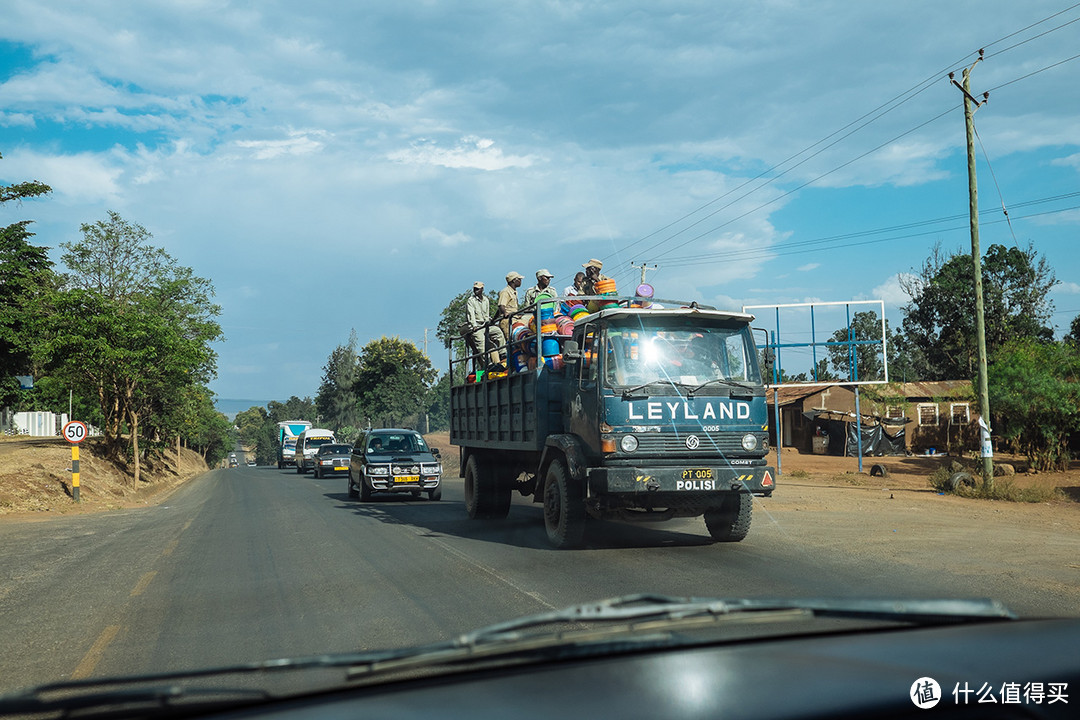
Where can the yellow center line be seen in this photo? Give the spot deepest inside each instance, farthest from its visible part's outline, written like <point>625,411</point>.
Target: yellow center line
<point>140,586</point>
<point>94,654</point>
<point>187,524</point>
<point>169,548</point>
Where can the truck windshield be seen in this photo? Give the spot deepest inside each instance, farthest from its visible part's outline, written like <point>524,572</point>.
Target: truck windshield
<point>686,355</point>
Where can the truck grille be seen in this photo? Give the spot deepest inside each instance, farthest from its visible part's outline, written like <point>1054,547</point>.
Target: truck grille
<point>676,443</point>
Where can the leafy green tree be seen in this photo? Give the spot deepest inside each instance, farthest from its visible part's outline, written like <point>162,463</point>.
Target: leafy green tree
<point>25,274</point>
<point>439,404</point>
<point>939,322</point>
<point>1035,398</point>
<point>1073,336</point>
<point>134,326</point>
<point>336,399</point>
<point>292,409</point>
<point>864,326</point>
<point>393,381</point>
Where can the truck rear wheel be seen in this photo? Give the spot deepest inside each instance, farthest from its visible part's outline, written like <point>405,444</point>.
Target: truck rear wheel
<point>486,496</point>
<point>353,492</point>
<point>731,521</point>
<point>564,509</point>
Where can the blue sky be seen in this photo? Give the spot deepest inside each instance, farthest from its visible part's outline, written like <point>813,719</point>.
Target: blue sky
<point>335,165</point>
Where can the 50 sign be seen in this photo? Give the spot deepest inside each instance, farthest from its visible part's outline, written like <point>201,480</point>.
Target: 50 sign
<point>74,432</point>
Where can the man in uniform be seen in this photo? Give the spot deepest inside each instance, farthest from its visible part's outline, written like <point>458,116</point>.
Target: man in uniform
<point>508,301</point>
<point>478,312</point>
<point>542,287</point>
<point>592,276</point>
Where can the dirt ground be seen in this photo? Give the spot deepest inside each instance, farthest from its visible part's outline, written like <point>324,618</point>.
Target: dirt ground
<point>35,478</point>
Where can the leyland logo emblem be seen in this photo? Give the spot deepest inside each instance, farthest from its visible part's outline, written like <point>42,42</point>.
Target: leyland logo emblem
<point>692,442</point>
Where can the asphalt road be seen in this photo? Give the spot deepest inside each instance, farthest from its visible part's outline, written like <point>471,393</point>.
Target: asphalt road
<point>254,563</point>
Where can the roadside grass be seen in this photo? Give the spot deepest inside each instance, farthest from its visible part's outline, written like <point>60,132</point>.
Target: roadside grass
<point>1004,489</point>
<point>798,474</point>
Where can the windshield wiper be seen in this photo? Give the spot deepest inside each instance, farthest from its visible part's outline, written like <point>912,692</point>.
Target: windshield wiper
<point>722,381</point>
<point>630,391</point>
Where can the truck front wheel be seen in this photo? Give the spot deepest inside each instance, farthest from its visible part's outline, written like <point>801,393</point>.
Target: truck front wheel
<point>731,521</point>
<point>486,497</point>
<point>564,508</point>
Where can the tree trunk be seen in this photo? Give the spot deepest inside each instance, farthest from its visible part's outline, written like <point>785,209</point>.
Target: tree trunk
<point>178,454</point>
<point>133,418</point>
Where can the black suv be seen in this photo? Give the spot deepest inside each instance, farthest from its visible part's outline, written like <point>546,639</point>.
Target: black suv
<point>393,460</point>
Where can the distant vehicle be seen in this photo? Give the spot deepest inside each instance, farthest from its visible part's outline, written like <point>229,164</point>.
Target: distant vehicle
<point>332,459</point>
<point>288,431</point>
<point>233,463</point>
<point>251,463</point>
<point>307,445</point>
<point>394,460</point>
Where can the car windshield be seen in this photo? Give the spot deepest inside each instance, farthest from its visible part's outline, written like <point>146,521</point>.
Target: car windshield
<point>275,381</point>
<point>397,443</point>
<point>653,352</point>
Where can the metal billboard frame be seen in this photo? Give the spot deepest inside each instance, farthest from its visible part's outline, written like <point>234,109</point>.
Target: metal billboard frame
<point>774,344</point>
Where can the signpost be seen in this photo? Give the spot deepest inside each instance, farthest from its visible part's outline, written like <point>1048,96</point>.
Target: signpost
<point>75,432</point>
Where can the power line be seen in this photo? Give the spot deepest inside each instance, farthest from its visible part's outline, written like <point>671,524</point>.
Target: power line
<point>914,91</point>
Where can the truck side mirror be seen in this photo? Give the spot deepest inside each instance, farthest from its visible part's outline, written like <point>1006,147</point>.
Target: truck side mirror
<point>570,351</point>
<point>435,452</point>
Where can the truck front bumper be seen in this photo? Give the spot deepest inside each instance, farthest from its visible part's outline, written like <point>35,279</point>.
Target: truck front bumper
<point>691,480</point>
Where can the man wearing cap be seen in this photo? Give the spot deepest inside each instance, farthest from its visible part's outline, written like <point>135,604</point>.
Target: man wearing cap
<point>508,301</point>
<point>592,275</point>
<point>541,289</point>
<point>478,312</point>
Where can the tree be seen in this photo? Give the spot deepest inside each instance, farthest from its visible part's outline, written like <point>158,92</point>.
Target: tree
<point>1035,396</point>
<point>133,325</point>
<point>25,274</point>
<point>1074,332</point>
<point>864,326</point>
<point>439,404</point>
<point>393,381</point>
<point>939,322</point>
<point>292,409</point>
<point>336,399</point>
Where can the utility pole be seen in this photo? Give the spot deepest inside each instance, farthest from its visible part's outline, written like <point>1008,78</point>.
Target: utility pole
<point>970,106</point>
<point>427,420</point>
<point>643,267</point>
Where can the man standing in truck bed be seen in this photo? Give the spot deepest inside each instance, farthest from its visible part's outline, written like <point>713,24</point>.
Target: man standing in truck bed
<point>508,301</point>
<point>478,312</point>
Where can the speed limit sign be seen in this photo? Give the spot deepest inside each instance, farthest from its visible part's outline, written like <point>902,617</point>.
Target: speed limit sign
<point>75,432</point>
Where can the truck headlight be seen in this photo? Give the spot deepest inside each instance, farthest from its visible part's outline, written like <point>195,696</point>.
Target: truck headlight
<point>378,470</point>
<point>431,469</point>
<point>749,442</point>
<point>628,443</point>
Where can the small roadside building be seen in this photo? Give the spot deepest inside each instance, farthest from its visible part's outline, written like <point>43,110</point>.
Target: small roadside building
<point>897,418</point>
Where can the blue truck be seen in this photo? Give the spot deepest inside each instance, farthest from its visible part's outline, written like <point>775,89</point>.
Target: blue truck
<point>636,414</point>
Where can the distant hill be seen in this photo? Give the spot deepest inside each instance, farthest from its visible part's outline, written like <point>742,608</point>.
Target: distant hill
<point>230,407</point>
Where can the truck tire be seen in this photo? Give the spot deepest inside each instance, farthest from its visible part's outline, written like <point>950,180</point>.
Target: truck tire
<point>435,495</point>
<point>353,492</point>
<point>731,521</point>
<point>486,497</point>
<point>365,491</point>
<point>564,508</point>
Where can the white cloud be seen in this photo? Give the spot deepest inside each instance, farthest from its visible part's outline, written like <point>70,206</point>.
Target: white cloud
<point>440,238</point>
<point>891,291</point>
<point>470,152</point>
<point>10,119</point>
<point>1070,288</point>
<point>808,267</point>
<point>81,177</point>
<point>1068,161</point>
